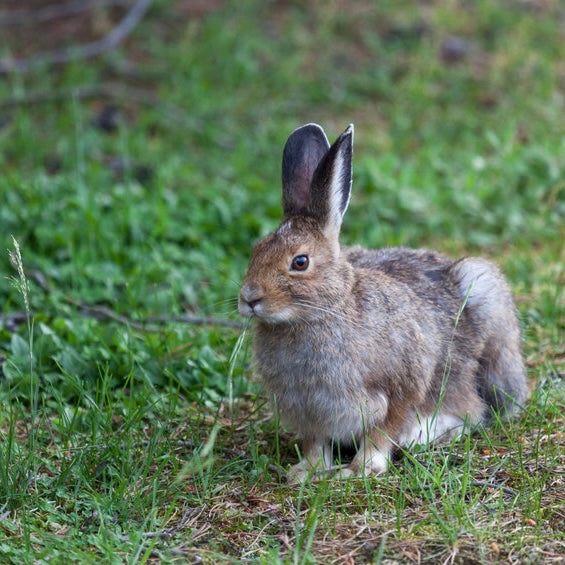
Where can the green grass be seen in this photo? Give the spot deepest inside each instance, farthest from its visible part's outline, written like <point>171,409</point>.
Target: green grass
<point>126,439</point>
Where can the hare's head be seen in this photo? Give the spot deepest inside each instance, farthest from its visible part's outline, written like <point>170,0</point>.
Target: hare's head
<point>297,272</point>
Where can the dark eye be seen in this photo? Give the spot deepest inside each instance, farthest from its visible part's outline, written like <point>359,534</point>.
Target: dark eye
<point>300,263</point>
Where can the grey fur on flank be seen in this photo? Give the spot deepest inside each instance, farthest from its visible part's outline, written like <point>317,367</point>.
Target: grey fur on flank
<point>374,348</point>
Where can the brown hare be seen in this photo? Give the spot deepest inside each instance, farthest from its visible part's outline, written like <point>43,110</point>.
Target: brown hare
<point>372,348</point>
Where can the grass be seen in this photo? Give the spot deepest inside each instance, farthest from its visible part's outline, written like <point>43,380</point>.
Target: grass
<point>135,185</point>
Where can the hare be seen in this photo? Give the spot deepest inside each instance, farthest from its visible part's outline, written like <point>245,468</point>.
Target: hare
<point>372,348</point>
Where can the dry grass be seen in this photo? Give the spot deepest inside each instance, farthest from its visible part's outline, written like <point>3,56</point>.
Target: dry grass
<point>512,509</point>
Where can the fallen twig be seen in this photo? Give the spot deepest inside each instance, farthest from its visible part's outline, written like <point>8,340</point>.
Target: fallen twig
<point>85,51</point>
<point>196,320</point>
<point>484,484</point>
<point>53,11</point>
<point>103,312</point>
<point>12,320</point>
<point>148,324</point>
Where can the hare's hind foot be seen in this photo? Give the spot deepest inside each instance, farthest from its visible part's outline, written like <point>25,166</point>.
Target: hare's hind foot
<point>371,458</point>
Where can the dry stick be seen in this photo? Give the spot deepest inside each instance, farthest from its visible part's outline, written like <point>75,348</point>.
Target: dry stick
<point>167,533</point>
<point>86,51</point>
<point>103,312</point>
<point>11,320</point>
<point>484,484</point>
<point>196,320</point>
<point>149,324</point>
<point>54,11</point>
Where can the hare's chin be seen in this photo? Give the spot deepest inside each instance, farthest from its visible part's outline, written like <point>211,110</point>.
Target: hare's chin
<point>284,315</point>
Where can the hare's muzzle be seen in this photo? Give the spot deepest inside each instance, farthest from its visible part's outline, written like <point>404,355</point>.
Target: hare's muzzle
<point>250,300</point>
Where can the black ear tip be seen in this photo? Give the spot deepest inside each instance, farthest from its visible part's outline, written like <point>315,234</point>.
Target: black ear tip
<point>348,131</point>
<point>345,140</point>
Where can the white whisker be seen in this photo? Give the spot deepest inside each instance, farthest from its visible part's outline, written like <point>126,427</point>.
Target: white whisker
<point>338,316</point>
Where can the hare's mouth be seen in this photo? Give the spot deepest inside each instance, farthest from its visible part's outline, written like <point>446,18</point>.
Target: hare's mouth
<point>261,311</point>
<point>246,309</point>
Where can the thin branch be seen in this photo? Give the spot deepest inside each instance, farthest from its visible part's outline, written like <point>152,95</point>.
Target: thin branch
<point>12,320</point>
<point>53,11</point>
<point>103,312</point>
<point>196,320</point>
<point>484,484</point>
<point>188,517</point>
<point>151,324</point>
<point>86,51</point>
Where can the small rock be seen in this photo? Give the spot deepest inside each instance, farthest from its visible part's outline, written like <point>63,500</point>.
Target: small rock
<point>454,50</point>
<point>108,118</point>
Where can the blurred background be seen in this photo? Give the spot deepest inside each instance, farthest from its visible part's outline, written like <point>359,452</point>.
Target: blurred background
<point>140,146</point>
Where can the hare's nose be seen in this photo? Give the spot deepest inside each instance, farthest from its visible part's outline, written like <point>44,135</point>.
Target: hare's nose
<point>251,296</point>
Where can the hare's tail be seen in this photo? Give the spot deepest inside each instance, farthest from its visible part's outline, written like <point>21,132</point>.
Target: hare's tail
<point>502,373</point>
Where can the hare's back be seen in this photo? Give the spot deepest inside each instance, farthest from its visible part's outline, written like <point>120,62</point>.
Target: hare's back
<point>410,266</point>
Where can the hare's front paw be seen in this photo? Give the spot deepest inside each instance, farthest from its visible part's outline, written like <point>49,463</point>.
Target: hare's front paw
<point>368,461</point>
<point>346,472</point>
<point>315,460</point>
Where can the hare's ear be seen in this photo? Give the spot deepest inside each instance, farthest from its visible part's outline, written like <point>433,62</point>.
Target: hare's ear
<point>302,153</point>
<point>331,185</point>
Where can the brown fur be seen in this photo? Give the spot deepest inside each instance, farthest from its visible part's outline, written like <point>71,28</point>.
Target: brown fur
<point>372,347</point>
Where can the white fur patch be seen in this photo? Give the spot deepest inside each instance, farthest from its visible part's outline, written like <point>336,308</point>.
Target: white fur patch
<point>425,430</point>
<point>335,195</point>
<point>284,315</point>
<point>335,192</point>
<point>376,463</point>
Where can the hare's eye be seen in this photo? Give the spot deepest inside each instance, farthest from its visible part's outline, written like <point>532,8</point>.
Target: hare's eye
<point>300,263</point>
